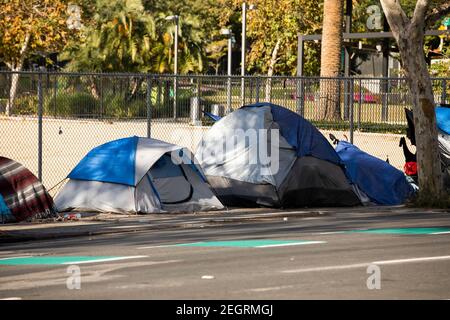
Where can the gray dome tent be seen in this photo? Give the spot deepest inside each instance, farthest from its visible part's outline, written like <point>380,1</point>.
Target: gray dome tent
<point>304,169</point>
<point>137,175</point>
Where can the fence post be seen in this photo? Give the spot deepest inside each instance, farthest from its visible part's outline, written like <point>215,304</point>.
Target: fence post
<point>158,95</point>
<point>360,104</point>
<point>242,90</point>
<point>351,110</point>
<point>101,97</point>
<point>175,96</point>
<point>228,95</point>
<point>55,93</point>
<point>384,92</point>
<point>300,97</point>
<point>198,88</point>
<point>257,89</point>
<point>250,81</point>
<point>444,91</point>
<point>40,109</point>
<point>149,106</point>
<point>346,99</point>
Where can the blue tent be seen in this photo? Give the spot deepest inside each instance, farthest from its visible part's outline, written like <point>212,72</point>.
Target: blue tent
<point>306,170</point>
<point>137,174</point>
<point>380,181</point>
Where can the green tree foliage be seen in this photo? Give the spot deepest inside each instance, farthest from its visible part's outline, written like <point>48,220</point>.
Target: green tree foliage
<point>276,22</point>
<point>26,28</point>
<point>360,16</point>
<point>134,36</point>
<point>31,26</point>
<point>196,43</point>
<point>119,37</point>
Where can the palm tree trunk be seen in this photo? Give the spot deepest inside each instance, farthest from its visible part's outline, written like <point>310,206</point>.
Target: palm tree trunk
<point>329,106</point>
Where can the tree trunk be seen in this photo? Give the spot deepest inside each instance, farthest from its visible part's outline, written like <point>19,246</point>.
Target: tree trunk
<point>329,106</point>
<point>16,67</point>
<point>93,88</point>
<point>12,90</point>
<point>409,35</point>
<point>273,61</point>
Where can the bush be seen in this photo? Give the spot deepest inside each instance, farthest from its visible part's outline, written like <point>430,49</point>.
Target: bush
<point>78,104</point>
<point>116,106</point>
<point>25,105</point>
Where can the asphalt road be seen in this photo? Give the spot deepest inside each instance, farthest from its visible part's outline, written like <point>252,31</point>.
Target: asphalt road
<point>336,264</point>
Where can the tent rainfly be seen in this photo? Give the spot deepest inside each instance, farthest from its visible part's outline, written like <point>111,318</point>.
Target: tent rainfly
<point>307,171</point>
<point>22,195</point>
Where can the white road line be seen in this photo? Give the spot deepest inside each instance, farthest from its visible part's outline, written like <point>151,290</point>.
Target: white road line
<point>132,226</point>
<point>290,244</point>
<point>12,298</point>
<point>104,260</point>
<point>332,232</point>
<point>154,247</point>
<point>363,265</point>
<point>16,257</point>
<point>424,259</point>
<point>270,288</point>
<point>329,268</point>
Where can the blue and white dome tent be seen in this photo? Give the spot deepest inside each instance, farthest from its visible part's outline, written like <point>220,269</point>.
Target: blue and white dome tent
<point>307,171</point>
<point>137,175</point>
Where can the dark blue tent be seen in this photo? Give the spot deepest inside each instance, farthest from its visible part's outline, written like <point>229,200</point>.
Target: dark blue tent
<point>301,134</point>
<point>380,181</point>
<point>303,170</point>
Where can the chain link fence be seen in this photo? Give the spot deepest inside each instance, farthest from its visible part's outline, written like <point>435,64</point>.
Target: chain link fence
<point>49,121</point>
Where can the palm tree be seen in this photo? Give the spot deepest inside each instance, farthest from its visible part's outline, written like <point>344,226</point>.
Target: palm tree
<point>329,107</point>
<point>119,39</point>
<point>191,41</point>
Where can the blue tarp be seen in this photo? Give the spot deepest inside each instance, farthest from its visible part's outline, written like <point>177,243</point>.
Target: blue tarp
<point>4,210</point>
<point>214,117</point>
<point>380,181</point>
<point>443,119</point>
<point>97,165</point>
<point>301,134</point>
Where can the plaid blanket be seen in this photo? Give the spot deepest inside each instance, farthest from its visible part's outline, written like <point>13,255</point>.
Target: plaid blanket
<point>23,193</point>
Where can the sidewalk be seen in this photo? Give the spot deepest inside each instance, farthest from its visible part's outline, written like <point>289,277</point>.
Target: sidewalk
<point>99,224</point>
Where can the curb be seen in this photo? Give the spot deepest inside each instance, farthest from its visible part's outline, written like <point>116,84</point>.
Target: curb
<point>105,228</point>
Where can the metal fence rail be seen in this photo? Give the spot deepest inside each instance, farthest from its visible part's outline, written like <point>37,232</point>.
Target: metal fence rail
<point>56,118</point>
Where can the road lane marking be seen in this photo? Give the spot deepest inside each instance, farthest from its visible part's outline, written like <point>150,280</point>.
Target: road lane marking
<point>424,259</point>
<point>332,232</point>
<point>16,257</point>
<point>290,244</point>
<point>106,260</point>
<point>11,298</point>
<point>264,243</point>
<point>269,288</point>
<point>154,247</point>
<point>364,265</point>
<point>62,260</point>
<point>410,231</point>
<point>130,227</point>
